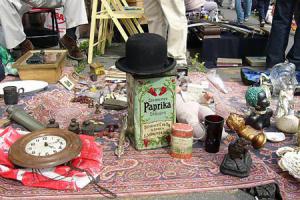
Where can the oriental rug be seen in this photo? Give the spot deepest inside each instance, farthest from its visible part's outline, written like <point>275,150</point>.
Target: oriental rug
<point>152,171</point>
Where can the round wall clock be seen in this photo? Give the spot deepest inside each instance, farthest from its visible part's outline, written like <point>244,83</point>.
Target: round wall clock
<point>45,148</point>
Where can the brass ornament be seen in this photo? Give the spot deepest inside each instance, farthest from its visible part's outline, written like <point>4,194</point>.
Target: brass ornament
<point>236,123</point>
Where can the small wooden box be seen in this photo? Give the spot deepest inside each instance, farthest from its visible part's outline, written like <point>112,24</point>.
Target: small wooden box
<point>97,68</point>
<point>50,73</point>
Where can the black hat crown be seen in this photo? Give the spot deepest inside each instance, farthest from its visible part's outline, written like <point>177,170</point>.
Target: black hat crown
<point>146,54</point>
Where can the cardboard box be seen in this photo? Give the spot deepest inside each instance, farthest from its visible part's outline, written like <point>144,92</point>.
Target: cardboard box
<point>50,72</point>
<point>151,110</point>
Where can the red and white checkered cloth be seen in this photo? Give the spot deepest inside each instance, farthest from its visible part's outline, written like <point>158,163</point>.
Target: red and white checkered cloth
<point>60,177</point>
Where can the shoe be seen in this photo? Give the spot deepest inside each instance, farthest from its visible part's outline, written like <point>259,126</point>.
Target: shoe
<point>26,46</point>
<point>262,23</point>
<point>70,44</point>
<point>239,22</point>
<point>246,19</point>
<point>181,69</point>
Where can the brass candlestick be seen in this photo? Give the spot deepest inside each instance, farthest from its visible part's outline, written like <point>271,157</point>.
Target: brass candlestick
<point>236,123</point>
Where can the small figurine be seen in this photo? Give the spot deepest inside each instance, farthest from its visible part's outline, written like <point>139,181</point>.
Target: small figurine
<point>75,121</point>
<point>285,103</point>
<point>87,128</point>
<point>94,77</point>
<point>74,127</point>
<point>52,124</point>
<point>261,114</point>
<point>91,104</point>
<point>238,160</point>
<point>97,111</point>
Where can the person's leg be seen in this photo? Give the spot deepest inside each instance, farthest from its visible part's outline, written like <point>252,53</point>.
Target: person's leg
<point>280,31</point>
<point>155,18</point>
<point>12,27</point>
<point>232,4</point>
<point>260,8</point>
<point>294,54</point>
<point>266,8</point>
<point>239,11</point>
<point>247,9</point>
<point>174,11</point>
<point>75,15</point>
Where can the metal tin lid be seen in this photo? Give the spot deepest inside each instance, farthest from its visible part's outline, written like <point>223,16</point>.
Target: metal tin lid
<point>182,130</point>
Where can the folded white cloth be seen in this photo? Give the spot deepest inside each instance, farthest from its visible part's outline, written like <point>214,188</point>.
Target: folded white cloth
<point>194,4</point>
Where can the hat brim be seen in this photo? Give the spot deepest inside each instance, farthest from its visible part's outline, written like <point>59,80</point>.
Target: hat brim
<point>122,65</point>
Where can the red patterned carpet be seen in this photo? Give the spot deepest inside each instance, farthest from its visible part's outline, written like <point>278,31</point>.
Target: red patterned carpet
<point>153,171</point>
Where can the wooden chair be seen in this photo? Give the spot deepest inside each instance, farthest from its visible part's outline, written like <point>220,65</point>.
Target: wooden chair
<point>113,12</point>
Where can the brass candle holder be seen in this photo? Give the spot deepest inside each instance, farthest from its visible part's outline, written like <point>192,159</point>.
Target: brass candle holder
<point>236,123</point>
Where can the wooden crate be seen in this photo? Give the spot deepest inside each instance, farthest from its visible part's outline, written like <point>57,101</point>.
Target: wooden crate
<point>50,73</point>
<point>138,3</point>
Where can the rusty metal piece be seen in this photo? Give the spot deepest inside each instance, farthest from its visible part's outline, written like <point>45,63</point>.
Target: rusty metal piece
<point>120,148</point>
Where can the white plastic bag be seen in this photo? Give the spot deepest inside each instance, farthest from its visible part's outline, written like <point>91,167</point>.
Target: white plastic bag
<point>60,20</point>
<point>216,80</point>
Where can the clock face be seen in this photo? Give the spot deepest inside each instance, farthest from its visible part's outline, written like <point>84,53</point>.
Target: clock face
<point>45,145</point>
<point>45,148</point>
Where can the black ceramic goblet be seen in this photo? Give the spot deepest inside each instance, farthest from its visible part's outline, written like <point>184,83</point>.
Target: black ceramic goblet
<point>214,128</point>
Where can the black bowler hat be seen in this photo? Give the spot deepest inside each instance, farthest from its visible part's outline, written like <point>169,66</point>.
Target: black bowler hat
<point>146,54</point>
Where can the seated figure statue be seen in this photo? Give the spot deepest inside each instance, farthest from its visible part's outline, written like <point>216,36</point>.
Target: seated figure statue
<point>238,160</point>
<point>261,114</point>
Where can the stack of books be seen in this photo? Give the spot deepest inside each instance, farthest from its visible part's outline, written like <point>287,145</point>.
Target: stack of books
<point>229,62</point>
<point>209,31</point>
<point>256,61</point>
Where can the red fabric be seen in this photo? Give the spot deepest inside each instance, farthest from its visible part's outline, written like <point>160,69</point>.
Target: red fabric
<point>60,177</point>
<point>40,10</point>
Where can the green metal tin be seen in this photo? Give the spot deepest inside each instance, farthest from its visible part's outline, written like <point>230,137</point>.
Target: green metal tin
<point>151,110</point>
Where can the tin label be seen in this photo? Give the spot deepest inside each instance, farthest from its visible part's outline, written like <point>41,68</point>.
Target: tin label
<point>156,129</point>
<point>181,147</point>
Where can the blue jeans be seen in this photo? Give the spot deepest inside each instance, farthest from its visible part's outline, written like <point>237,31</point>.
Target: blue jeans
<point>243,10</point>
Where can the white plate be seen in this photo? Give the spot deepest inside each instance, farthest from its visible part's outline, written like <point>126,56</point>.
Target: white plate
<point>282,150</point>
<point>28,85</point>
<point>275,136</point>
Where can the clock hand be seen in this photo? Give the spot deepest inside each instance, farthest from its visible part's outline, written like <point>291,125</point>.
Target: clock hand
<point>47,145</point>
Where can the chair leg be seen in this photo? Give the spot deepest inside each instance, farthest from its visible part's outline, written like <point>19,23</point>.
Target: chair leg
<point>92,31</point>
<point>103,36</point>
<point>110,33</point>
<point>120,28</point>
<point>138,25</point>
